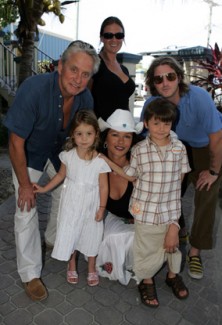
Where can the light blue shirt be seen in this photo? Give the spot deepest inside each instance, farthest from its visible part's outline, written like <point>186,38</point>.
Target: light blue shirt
<point>198,118</point>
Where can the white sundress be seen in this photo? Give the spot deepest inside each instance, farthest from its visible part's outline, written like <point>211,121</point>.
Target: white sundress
<point>77,228</point>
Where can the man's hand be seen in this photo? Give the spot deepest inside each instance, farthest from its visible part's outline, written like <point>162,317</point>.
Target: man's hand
<point>26,198</point>
<point>205,179</point>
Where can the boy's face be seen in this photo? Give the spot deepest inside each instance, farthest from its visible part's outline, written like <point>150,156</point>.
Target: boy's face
<point>158,130</point>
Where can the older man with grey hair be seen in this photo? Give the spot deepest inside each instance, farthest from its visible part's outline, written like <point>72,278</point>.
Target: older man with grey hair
<point>39,122</point>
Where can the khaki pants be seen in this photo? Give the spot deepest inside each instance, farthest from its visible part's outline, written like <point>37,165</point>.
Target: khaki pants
<point>148,252</point>
<point>27,234</point>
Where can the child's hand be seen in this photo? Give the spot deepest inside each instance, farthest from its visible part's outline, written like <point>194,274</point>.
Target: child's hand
<point>37,188</point>
<point>100,214</point>
<point>101,155</point>
<point>171,241</point>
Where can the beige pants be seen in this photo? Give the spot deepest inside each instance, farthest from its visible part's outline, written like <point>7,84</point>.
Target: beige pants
<point>149,254</point>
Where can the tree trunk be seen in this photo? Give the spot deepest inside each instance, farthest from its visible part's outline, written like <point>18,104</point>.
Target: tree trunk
<point>26,60</point>
<point>30,13</point>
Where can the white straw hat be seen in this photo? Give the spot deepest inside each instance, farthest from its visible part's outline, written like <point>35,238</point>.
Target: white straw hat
<point>121,121</point>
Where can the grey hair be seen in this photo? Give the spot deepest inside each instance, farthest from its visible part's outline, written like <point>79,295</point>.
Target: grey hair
<point>80,46</point>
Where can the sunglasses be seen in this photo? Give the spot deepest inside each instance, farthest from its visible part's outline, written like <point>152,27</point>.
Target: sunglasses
<point>111,35</point>
<point>171,76</point>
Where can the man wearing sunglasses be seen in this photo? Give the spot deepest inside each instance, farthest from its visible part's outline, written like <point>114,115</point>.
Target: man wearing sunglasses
<point>199,126</point>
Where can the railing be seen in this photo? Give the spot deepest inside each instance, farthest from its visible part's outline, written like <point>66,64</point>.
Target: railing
<point>8,73</point>
<point>42,62</point>
<point>9,67</point>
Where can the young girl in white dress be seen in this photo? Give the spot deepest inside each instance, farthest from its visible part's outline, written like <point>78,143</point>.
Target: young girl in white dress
<point>83,199</point>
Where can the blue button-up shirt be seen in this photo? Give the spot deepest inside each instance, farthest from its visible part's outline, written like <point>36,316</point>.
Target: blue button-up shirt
<point>36,115</point>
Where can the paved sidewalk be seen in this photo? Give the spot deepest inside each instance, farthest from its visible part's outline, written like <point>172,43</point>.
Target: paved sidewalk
<point>110,303</point>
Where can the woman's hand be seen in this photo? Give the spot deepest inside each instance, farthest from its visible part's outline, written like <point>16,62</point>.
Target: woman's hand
<point>100,214</point>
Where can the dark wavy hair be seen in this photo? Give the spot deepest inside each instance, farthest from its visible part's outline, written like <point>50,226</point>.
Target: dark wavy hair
<point>183,87</point>
<point>103,135</point>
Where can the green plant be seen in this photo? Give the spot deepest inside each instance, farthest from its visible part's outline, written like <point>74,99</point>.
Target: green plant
<point>213,81</point>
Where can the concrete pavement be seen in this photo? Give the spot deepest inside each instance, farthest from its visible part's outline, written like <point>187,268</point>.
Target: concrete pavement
<point>110,303</point>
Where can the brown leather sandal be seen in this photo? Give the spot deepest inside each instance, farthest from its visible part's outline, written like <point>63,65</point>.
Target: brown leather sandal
<point>148,294</point>
<point>177,286</point>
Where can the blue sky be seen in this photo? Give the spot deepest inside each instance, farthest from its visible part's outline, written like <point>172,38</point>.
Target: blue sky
<point>150,24</point>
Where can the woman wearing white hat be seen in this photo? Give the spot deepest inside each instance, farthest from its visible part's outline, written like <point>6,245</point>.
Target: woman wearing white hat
<point>115,254</point>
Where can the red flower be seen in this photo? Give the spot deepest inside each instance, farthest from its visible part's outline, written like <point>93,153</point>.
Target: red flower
<point>108,267</point>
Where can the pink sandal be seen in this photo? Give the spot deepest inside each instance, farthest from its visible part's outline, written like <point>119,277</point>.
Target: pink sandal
<point>72,277</point>
<point>93,279</point>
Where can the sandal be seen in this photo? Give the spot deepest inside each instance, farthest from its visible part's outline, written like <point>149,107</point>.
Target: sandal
<point>93,279</point>
<point>148,294</point>
<point>177,286</point>
<point>72,277</point>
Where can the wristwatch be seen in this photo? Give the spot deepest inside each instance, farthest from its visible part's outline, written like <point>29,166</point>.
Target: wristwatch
<point>212,172</point>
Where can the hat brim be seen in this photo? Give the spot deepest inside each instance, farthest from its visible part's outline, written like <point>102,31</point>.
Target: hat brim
<point>104,125</point>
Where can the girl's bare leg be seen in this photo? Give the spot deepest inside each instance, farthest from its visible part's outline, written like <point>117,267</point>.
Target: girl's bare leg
<point>92,278</point>
<point>72,275</point>
<point>91,264</point>
<point>72,262</point>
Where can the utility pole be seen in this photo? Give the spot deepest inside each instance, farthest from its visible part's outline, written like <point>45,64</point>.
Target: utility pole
<point>77,20</point>
<point>211,4</point>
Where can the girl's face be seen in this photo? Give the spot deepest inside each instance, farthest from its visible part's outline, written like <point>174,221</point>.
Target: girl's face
<point>112,45</point>
<point>158,130</point>
<point>118,143</point>
<point>84,136</point>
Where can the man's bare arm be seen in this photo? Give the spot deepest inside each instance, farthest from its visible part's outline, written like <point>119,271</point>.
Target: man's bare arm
<point>19,163</point>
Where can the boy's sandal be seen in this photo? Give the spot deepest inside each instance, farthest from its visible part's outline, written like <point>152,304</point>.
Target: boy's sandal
<point>93,279</point>
<point>177,286</point>
<point>148,294</point>
<point>72,277</point>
